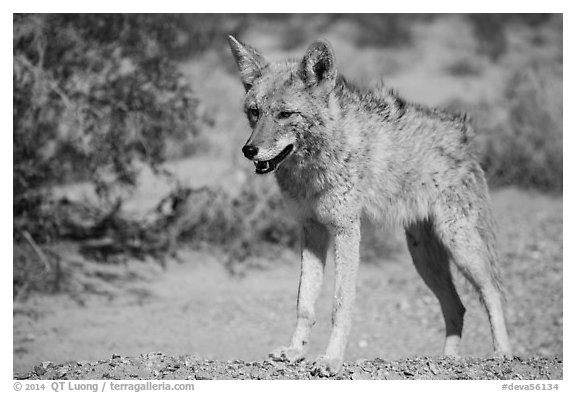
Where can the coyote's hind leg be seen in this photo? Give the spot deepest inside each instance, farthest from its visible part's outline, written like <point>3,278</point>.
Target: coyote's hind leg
<point>470,242</point>
<point>432,263</point>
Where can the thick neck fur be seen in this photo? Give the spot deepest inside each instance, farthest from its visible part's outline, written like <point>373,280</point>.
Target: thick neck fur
<point>332,152</point>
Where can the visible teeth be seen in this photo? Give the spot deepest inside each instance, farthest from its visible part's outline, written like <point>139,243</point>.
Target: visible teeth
<point>262,166</point>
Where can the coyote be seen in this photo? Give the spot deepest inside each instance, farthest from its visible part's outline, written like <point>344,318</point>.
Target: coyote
<point>340,152</point>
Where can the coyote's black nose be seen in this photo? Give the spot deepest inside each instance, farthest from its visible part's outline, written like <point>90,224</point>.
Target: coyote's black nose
<point>249,151</point>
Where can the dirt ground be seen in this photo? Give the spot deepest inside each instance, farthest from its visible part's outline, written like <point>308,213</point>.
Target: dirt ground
<point>196,309</point>
<point>160,366</point>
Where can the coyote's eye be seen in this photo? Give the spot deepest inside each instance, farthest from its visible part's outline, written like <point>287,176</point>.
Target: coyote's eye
<point>285,114</point>
<point>253,112</point>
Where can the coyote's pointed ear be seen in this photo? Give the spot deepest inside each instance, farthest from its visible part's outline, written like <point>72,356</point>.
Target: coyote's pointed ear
<point>249,61</point>
<point>318,67</point>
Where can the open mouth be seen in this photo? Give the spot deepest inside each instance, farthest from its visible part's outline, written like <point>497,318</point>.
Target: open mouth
<point>263,167</point>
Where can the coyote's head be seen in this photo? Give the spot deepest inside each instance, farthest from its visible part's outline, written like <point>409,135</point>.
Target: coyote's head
<point>286,103</point>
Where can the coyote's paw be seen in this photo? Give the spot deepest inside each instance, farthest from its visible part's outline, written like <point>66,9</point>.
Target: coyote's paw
<point>287,354</point>
<point>326,366</point>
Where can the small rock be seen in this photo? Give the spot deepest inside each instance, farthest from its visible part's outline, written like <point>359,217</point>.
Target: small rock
<point>39,370</point>
<point>358,375</point>
<point>433,368</point>
<point>189,363</point>
<point>116,356</point>
<point>42,367</point>
<point>61,372</point>
<point>203,376</point>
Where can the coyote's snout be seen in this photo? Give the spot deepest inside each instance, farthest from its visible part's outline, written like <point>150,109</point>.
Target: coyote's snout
<point>266,160</point>
<point>340,152</point>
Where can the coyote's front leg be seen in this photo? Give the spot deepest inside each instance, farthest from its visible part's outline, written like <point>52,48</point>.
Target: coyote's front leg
<point>347,255</point>
<point>315,242</point>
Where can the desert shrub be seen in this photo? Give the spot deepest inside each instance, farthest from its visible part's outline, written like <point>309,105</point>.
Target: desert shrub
<point>519,136</point>
<point>252,223</point>
<point>33,270</point>
<point>490,30</point>
<point>93,95</point>
<point>525,147</point>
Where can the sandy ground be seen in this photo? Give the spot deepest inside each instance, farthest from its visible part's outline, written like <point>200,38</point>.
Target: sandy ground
<point>196,308</point>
